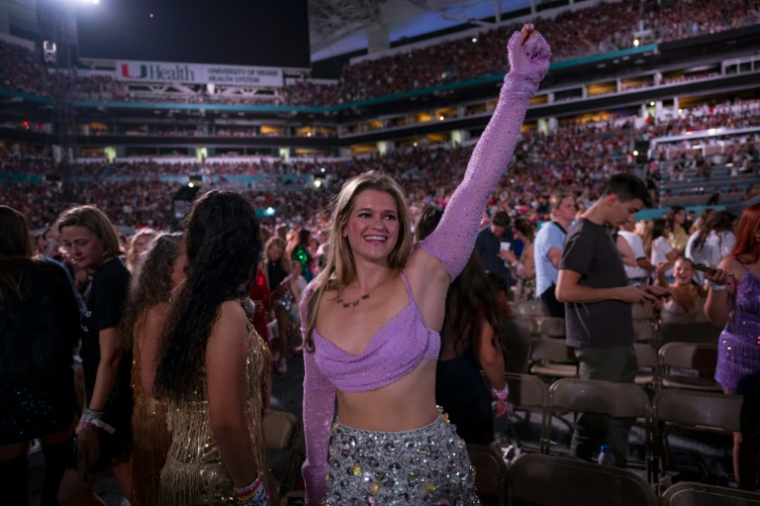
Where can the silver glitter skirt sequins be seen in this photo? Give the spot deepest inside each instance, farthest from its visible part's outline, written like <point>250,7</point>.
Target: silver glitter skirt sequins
<point>425,466</point>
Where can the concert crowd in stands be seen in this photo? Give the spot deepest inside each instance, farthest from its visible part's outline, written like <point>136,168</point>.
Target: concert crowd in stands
<point>576,158</point>
<point>602,28</point>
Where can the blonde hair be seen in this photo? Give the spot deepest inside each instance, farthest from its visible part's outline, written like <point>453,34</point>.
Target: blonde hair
<point>93,219</point>
<point>340,269</point>
<point>284,259</point>
<point>131,259</point>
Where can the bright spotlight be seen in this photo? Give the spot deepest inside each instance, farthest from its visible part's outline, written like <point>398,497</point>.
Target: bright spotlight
<point>322,170</point>
<point>651,103</point>
<point>270,211</point>
<point>636,42</point>
<point>441,118</point>
<point>635,153</point>
<point>190,184</point>
<point>474,39</point>
<point>317,183</point>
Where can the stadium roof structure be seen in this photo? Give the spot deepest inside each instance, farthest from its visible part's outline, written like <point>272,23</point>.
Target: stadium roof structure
<point>342,26</point>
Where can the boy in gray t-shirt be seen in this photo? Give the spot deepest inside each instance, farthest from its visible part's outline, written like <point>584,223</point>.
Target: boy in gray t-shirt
<point>594,288</point>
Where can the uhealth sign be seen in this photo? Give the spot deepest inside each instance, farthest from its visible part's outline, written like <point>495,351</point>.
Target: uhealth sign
<point>193,73</point>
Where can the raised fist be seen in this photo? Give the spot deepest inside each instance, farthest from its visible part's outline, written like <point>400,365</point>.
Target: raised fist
<point>529,54</point>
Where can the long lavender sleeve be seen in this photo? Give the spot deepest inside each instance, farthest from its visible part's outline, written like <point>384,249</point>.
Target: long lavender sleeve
<point>318,412</point>
<point>454,238</point>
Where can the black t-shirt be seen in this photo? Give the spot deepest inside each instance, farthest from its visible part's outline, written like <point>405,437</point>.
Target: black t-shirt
<point>276,274</point>
<point>590,251</point>
<point>39,331</point>
<point>105,301</point>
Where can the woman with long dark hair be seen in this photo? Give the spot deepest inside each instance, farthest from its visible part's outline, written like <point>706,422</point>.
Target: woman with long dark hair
<point>713,241</point>
<point>733,301</point>
<point>213,365</point>
<point>371,321</point>
<point>39,327</point>
<point>678,236</point>
<point>470,339</point>
<point>159,270</point>
<point>105,439</point>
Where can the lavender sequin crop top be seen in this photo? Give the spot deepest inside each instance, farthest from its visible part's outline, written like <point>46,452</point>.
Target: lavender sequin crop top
<point>401,344</point>
<point>386,358</point>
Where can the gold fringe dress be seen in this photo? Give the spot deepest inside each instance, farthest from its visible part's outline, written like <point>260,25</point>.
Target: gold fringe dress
<point>150,436</point>
<point>194,473</point>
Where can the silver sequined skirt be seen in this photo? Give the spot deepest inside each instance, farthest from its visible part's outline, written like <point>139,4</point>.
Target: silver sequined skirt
<point>425,466</point>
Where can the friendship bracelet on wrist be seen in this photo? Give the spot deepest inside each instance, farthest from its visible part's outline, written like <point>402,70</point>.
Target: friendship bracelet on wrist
<point>94,418</point>
<point>254,494</point>
<point>501,394</point>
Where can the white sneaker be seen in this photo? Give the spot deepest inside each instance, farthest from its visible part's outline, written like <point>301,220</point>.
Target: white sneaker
<point>282,366</point>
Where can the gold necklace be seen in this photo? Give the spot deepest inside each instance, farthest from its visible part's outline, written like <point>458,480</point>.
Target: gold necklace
<point>363,297</point>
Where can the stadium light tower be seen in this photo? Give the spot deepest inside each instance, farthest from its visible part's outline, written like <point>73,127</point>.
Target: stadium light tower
<point>57,22</point>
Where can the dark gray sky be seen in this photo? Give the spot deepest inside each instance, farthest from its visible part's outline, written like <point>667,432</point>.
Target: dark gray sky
<point>236,32</point>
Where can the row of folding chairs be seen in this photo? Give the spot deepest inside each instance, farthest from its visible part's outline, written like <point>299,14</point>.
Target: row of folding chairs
<point>688,409</point>
<point>645,325</point>
<point>675,365</point>
<point>545,480</point>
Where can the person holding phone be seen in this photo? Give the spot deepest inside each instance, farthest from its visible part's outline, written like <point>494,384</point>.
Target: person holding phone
<point>687,301</point>
<point>593,285</point>
<point>733,301</point>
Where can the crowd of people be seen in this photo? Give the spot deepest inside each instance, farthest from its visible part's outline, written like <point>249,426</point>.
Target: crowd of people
<point>174,330</point>
<point>576,157</point>
<point>605,27</point>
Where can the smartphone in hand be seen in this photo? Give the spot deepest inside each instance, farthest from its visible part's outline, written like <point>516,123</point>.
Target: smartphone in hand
<point>706,268</point>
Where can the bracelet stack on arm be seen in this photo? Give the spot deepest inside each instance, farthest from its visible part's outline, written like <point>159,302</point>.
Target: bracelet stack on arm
<point>253,494</point>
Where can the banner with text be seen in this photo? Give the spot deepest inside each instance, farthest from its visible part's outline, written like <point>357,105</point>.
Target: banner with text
<point>194,73</point>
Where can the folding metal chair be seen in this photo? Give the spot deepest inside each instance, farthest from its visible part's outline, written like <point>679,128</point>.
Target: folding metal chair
<point>700,357</point>
<point>552,327</point>
<point>552,358</point>
<point>705,333</point>
<point>283,431</point>
<point>697,494</point>
<point>490,472</point>
<point>545,480</point>
<point>693,410</point>
<point>619,400</point>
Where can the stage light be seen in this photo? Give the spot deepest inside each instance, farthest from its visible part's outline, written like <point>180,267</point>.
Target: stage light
<point>317,183</point>
<point>190,184</point>
<point>441,118</point>
<point>270,211</point>
<point>680,111</point>
<point>323,170</point>
<point>651,103</point>
<point>636,42</point>
<point>635,153</point>
<point>474,39</point>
